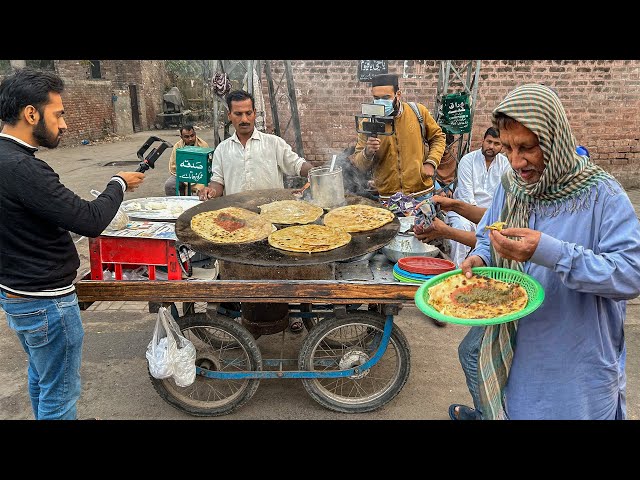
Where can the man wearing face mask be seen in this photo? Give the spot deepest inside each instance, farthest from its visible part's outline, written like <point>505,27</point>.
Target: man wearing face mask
<point>400,162</point>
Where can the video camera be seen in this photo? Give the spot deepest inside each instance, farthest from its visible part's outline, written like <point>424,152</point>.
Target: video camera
<point>372,122</point>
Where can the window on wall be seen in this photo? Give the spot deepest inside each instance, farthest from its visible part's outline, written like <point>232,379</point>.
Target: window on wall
<point>41,64</point>
<point>95,69</point>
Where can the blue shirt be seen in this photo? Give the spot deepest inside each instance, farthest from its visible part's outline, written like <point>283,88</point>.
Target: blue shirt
<point>569,356</point>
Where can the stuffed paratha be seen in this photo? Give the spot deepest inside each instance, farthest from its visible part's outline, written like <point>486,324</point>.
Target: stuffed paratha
<point>309,238</point>
<point>231,225</point>
<point>477,297</point>
<point>289,212</point>
<point>358,218</point>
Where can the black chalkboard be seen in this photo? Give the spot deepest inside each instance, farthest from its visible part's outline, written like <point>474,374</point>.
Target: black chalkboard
<point>367,69</point>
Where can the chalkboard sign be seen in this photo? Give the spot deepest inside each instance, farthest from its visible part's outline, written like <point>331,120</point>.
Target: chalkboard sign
<point>367,69</point>
<point>456,113</point>
<point>193,165</point>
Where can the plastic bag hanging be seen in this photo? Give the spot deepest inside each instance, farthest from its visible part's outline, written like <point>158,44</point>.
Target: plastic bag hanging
<point>170,354</point>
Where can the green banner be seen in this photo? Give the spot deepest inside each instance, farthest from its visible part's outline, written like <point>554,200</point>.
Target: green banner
<point>193,165</point>
<point>456,113</point>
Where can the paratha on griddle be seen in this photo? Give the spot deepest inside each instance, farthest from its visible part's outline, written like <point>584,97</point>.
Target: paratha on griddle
<point>309,238</point>
<point>290,212</point>
<point>358,218</point>
<point>231,225</point>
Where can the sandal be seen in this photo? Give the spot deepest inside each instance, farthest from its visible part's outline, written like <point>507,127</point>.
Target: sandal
<point>463,413</point>
<point>296,326</point>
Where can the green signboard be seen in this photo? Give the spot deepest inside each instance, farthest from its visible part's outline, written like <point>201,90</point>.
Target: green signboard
<point>456,112</point>
<point>193,165</point>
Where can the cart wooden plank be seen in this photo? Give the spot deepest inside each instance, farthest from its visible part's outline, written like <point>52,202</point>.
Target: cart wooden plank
<point>267,291</point>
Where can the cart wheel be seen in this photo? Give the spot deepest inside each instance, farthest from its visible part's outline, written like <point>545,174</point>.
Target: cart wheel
<point>352,336</point>
<point>368,390</point>
<point>235,351</point>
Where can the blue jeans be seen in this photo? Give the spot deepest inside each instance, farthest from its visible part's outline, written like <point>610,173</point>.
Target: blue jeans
<point>50,331</point>
<point>468,353</point>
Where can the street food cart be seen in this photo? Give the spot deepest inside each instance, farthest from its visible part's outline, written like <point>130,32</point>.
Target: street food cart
<point>353,358</point>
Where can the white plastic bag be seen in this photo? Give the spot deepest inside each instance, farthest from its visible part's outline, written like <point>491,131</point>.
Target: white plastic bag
<point>169,354</point>
<point>120,221</point>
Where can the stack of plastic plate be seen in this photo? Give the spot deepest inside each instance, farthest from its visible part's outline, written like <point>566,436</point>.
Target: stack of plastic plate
<point>420,269</point>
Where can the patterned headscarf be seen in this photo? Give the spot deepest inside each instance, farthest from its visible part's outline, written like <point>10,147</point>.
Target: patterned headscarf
<point>565,185</point>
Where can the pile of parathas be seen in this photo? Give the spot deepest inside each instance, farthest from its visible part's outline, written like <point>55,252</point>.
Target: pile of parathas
<point>238,225</point>
<point>477,297</point>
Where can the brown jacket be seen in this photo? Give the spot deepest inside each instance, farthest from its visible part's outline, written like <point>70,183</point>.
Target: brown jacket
<point>397,165</point>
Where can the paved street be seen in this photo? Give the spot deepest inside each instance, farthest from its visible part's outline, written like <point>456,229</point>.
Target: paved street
<point>116,382</point>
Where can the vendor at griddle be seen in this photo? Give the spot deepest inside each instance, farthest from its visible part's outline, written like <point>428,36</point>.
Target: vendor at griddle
<point>400,162</point>
<point>250,159</point>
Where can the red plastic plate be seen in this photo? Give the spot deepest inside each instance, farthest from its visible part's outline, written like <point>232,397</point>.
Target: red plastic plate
<point>426,265</point>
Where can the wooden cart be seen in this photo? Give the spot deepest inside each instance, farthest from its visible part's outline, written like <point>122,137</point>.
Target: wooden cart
<point>352,359</point>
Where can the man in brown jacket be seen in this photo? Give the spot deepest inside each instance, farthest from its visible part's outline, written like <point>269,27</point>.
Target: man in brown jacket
<point>400,162</point>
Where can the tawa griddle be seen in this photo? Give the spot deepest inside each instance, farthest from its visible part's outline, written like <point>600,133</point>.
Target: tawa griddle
<point>261,253</point>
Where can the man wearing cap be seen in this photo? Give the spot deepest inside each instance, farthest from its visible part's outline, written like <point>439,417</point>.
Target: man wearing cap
<point>400,162</point>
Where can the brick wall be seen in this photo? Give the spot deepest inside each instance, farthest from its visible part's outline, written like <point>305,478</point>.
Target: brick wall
<point>87,102</point>
<point>601,98</point>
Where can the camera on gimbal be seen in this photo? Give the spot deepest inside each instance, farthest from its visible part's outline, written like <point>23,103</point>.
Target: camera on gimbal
<point>372,122</point>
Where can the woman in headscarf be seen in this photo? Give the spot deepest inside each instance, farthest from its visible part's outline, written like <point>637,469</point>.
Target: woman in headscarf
<point>571,226</point>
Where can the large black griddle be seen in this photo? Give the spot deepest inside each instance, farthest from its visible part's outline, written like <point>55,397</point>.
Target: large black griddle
<point>263,254</point>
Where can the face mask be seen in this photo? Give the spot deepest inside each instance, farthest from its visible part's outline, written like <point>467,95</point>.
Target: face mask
<point>388,105</point>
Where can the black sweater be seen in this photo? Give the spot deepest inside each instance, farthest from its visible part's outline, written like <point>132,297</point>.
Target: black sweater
<point>36,214</point>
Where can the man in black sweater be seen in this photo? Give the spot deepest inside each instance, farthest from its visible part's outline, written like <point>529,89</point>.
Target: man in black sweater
<point>38,259</point>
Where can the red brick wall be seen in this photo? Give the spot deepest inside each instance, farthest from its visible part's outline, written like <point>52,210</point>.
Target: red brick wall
<point>87,103</point>
<point>601,98</point>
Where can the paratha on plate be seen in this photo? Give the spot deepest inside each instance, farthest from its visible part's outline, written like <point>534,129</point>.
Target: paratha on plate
<point>231,225</point>
<point>358,218</point>
<point>309,238</point>
<point>477,297</point>
<point>290,212</point>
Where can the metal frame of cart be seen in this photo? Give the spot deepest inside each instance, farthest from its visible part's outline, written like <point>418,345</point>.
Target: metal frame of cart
<point>347,351</point>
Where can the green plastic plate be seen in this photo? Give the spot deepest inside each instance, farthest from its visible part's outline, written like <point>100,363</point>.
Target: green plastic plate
<point>534,290</point>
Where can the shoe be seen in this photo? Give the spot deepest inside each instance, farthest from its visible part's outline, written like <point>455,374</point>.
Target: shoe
<point>296,326</point>
<point>464,412</point>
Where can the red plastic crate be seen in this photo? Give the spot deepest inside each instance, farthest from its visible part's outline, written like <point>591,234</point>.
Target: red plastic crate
<point>130,253</point>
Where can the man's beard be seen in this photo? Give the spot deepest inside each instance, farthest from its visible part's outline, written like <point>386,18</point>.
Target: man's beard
<point>484,153</point>
<point>44,137</point>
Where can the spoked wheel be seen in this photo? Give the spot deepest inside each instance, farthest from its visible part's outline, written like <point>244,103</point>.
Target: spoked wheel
<point>234,350</point>
<point>341,337</point>
<point>367,390</point>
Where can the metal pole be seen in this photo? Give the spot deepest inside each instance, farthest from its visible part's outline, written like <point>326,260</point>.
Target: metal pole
<point>272,98</point>
<point>294,108</point>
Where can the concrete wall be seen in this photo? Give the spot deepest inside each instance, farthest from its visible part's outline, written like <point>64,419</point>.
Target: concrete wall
<point>601,98</point>
<point>122,112</point>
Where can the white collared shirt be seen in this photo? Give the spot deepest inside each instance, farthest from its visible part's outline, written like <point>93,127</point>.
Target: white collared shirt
<point>476,182</point>
<point>260,164</point>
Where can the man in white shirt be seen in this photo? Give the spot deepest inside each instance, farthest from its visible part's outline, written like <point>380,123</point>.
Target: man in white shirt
<point>479,174</point>
<point>250,159</point>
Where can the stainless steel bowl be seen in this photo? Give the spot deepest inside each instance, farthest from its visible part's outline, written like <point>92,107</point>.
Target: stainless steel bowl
<point>407,245</point>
